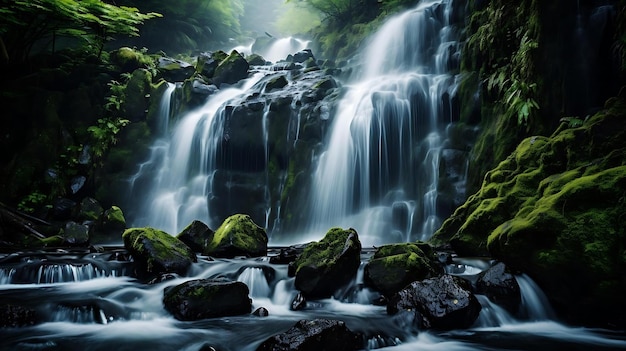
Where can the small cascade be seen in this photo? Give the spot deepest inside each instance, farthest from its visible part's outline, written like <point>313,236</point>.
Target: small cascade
<point>380,172</point>
<point>63,273</point>
<point>255,279</point>
<point>535,305</point>
<point>281,48</point>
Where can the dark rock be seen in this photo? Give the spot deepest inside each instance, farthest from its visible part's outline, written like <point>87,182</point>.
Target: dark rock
<point>231,70</point>
<point>110,226</point>
<point>136,95</point>
<point>196,235</point>
<point>256,60</point>
<point>314,335</point>
<point>77,183</point>
<point>277,82</point>
<point>208,62</point>
<point>302,56</point>
<point>76,234</point>
<point>14,316</point>
<point>174,70</point>
<point>207,298</point>
<point>442,303</point>
<point>238,236</point>
<point>287,255</point>
<point>392,267</point>
<point>155,252</point>
<point>298,303</point>
<point>261,312</point>
<point>500,286</point>
<point>325,266</point>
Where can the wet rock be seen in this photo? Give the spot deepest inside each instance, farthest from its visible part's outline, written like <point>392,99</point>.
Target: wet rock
<point>500,286</point>
<point>174,70</point>
<point>196,235</point>
<point>238,236</point>
<point>156,252</point>
<point>261,312</point>
<point>287,254</point>
<point>276,82</point>
<point>110,226</point>
<point>207,298</point>
<point>327,265</point>
<point>208,62</point>
<point>231,70</point>
<point>442,303</point>
<point>392,267</point>
<point>303,56</point>
<point>14,316</point>
<point>256,60</point>
<point>298,303</point>
<point>314,335</point>
<point>76,234</point>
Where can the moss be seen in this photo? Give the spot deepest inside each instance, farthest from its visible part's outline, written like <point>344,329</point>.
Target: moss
<point>326,252</point>
<point>159,251</point>
<point>238,235</point>
<point>115,215</point>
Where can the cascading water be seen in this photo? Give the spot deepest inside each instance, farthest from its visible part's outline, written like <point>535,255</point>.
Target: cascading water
<point>380,171</point>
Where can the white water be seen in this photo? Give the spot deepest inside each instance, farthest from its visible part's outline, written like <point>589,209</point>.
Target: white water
<point>388,132</point>
<point>120,313</point>
<point>281,48</point>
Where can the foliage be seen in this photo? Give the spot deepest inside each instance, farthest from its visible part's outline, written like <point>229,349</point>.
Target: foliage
<point>31,202</point>
<point>504,44</point>
<point>298,18</point>
<point>26,23</point>
<point>104,133</point>
<point>188,25</point>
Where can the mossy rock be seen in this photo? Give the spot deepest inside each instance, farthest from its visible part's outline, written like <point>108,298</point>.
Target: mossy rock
<point>327,265</point>
<point>128,59</point>
<point>232,69</point>
<point>136,95</point>
<point>206,298</point>
<point>256,60</point>
<point>238,236</point>
<point>156,252</point>
<point>394,266</point>
<point>554,210</point>
<point>196,235</point>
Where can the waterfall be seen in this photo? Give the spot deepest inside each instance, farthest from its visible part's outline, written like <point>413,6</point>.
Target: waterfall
<point>281,48</point>
<point>382,161</point>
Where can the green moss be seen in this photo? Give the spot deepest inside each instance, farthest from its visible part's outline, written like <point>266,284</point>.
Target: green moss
<point>238,235</point>
<point>326,252</point>
<point>156,247</point>
<point>115,215</point>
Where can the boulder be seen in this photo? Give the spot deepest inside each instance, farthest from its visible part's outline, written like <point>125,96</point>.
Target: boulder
<point>76,234</point>
<point>238,236</point>
<point>256,60</point>
<point>90,209</point>
<point>500,286</point>
<point>207,298</point>
<point>156,252</point>
<point>327,265</point>
<point>314,335</point>
<point>111,225</point>
<point>208,62</point>
<point>136,95</point>
<point>443,303</point>
<point>196,235</point>
<point>394,266</point>
<point>303,55</point>
<point>174,70</point>
<point>231,70</point>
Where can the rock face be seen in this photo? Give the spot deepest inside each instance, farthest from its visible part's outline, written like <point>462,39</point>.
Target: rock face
<point>500,286</point>
<point>325,266</point>
<point>238,236</point>
<point>156,252</point>
<point>552,210</point>
<point>196,235</point>
<point>440,303</point>
<point>314,335</point>
<point>207,298</point>
<point>174,70</point>
<point>392,267</point>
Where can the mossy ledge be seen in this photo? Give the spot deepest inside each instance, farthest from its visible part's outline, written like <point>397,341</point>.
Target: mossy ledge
<point>555,209</point>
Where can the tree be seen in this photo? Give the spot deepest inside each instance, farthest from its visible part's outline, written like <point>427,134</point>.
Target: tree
<point>26,23</point>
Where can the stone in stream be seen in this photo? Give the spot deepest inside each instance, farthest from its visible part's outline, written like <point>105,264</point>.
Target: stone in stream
<point>314,335</point>
<point>444,303</point>
<point>238,236</point>
<point>327,265</point>
<point>196,235</point>
<point>500,286</point>
<point>207,298</point>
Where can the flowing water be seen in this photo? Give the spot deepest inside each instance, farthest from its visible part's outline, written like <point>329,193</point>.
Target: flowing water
<point>89,301</point>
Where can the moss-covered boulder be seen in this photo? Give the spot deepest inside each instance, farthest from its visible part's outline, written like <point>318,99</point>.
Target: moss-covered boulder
<point>394,266</point>
<point>327,265</point>
<point>136,95</point>
<point>197,235</point>
<point>156,252</point>
<point>174,70</point>
<point>554,209</point>
<point>207,298</point>
<point>232,69</point>
<point>238,236</point>
<point>128,59</point>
